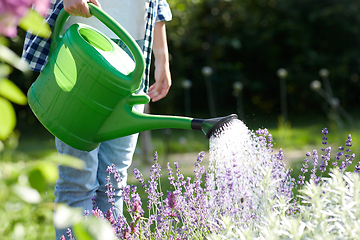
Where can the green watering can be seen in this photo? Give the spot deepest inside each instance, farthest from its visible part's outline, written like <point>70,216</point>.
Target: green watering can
<point>86,92</point>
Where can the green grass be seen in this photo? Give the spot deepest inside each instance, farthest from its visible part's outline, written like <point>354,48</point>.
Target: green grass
<point>300,138</point>
<point>176,141</point>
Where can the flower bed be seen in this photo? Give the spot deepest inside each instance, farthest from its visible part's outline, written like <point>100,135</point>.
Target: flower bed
<point>246,193</point>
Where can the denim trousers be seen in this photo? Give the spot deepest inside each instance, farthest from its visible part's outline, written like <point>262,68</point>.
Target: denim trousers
<point>76,188</point>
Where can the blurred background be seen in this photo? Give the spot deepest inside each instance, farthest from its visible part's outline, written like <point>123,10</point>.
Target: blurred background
<point>279,64</point>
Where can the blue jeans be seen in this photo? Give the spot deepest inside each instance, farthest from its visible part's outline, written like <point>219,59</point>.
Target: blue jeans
<point>77,187</point>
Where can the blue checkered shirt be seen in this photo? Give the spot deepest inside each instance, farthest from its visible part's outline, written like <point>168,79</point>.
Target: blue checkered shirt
<point>36,49</point>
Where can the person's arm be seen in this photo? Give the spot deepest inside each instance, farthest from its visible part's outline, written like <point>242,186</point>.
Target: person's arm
<point>79,7</point>
<point>162,83</point>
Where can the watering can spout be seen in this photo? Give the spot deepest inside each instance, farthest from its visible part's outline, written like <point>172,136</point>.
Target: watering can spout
<point>126,121</point>
<point>212,126</point>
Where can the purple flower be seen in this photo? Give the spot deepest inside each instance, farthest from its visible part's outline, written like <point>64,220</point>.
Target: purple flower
<point>338,155</point>
<point>138,175</point>
<point>270,145</point>
<point>125,192</point>
<point>200,157</point>
<point>136,207</point>
<point>325,131</point>
<point>170,174</point>
<point>126,233</point>
<point>348,141</point>
<point>357,167</point>
<point>151,190</point>
<point>156,157</point>
<point>324,138</point>
<point>326,159</point>
<point>133,227</point>
<point>86,213</point>
<point>120,227</point>
<point>69,234</point>
<point>263,132</point>
<point>97,213</point>
<point>109,169</point>
<point>171,199</point>
<point>179,176</point>
<point>315,162</point>
<point>110,191</point>
<point>110,217</point>
<point>93,199</point>
<point>280,155</point>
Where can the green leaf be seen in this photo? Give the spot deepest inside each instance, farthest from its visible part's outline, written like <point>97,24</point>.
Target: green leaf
<point>81,232</point>
<point>10,57</point>
<point>27,194</point>
<point>7,118</point>
<point>1,149</point>
<point>65,160</point>
<point>5,70</point>
<point>42,173</point>
<point>19,232</point>
<point>49,171</point>
<point>37,180</point>
<point>4,41</point>
<point>35,23</point>
<point>66,216</point>
<point>93,229</point>
<point>10,91</point>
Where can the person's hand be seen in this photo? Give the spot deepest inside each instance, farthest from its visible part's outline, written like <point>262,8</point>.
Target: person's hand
<point>162,83</point>
<point>162,70</point>
<point>79,7</point>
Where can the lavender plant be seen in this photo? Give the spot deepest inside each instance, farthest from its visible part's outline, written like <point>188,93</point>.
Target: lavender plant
<point>247,193</point>
<point>331,212</point>
<point>327,206</point>
<point>238,181</point>
<point>232,188</point>
<point>181,215</point>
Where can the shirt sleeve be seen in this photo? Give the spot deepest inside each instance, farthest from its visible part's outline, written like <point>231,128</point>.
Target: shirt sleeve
<point>163,11</point>
<point>36,49</point>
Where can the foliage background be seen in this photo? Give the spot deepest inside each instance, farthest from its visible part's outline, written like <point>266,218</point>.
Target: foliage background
<point>248,41</point>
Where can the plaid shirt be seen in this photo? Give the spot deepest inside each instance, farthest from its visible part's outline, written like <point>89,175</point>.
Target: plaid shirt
<point>36,49</point>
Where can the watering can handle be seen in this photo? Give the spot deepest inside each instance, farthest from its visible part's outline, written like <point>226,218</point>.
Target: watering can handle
<point>113,26</point>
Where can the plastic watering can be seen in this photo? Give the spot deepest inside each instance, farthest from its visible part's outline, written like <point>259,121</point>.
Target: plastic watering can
<point>86,92</point>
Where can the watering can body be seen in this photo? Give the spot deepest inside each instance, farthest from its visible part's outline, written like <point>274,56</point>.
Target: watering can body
<point>86,92</point>
<point>86,76</point>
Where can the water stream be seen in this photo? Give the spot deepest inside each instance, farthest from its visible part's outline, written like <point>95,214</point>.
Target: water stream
<point>239,161</point>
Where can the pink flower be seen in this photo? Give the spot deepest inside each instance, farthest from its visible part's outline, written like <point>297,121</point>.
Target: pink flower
<point>126,233</point>
<point>42,6</point>
<point>133,226</point>
<point>11,11</point>
<point>8,23</point>
<point>136,207</point>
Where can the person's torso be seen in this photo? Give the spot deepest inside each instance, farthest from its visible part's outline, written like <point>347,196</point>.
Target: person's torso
<point>130,14</point>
